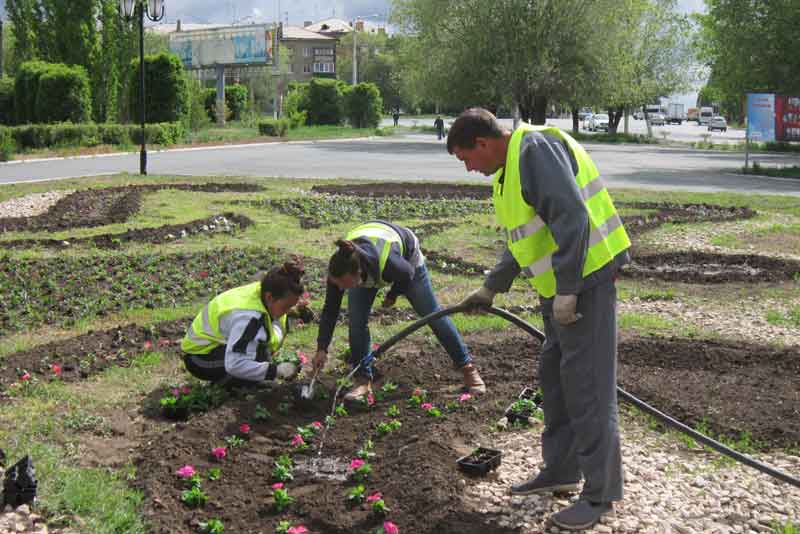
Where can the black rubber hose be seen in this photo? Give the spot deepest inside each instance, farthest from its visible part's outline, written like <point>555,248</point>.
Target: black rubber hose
<point>667,420</point>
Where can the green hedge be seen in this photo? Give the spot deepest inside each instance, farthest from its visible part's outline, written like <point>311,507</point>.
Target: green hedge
<point>167,89</point>
<point>325,102</point>
<point>7,111</point>
<point>235,102</point>
<point>35,136</point>
<point>26,87</point>
<point>64,95</point>
<point>273,128</point>
<point>363,105</point>
<point>7,144</point>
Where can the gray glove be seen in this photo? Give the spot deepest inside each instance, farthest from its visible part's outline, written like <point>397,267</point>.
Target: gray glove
<point>482,297</point>
<point>287,370</point>
<point>564,309</point>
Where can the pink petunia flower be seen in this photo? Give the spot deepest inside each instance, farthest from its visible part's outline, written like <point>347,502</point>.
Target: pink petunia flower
<point>176,392</point>
<point>298,441</point>
<point>277,486</point>
<point>203,274</point>
<point>426,406</point>
<point>306,295</point>
<point>303,358</point>
<point>374,497</point>
<point>148,345</point>
<point>356,464</point>
<point>390,528</point>
<point>56,369</point>
<point>244,428</point>
<point>375,347</point>
<point>25,376</point>
<point>186,390</point>
<point>418,392</point>
<point>299,529</point>
<point>317,425</point>
<point>464,397</point>
<point>370,399</point>
<point>187,471</point>
<point>219,452</point>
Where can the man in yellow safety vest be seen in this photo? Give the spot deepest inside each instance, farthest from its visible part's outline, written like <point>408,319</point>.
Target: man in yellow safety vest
<point>565,238</point>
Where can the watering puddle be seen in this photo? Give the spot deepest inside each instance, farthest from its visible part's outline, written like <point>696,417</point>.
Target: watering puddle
<point>323,468</point>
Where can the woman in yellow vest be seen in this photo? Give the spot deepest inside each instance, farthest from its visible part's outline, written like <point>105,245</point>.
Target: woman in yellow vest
<point>233,338</point>
<point>565,237</point>
<point>375,255</point>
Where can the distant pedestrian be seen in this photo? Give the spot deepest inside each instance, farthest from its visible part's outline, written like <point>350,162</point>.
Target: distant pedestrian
<point>439,125</point>
<point>396,117</point>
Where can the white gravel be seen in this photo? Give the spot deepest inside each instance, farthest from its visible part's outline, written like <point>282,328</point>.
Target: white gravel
<point>31,205</point>
<point>668,489</point>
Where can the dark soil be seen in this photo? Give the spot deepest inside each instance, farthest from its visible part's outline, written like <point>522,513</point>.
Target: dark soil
<point>445,263</point>
<point>706,268</point>
<point>99,207</point>
<point>679,214</point>
<point>410,190</point>
<point>226,223</point>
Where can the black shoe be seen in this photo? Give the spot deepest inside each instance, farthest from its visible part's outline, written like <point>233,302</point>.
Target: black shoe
<point>581,515</point>
<point>543,484</point>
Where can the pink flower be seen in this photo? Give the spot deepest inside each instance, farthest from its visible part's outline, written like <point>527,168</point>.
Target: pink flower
<point>299,529</point>
<point>375,497</point>
<point>219,452</point>
<point>418,392</point>
<point>148,345</point>
<point>317,425</point>
<point>164,342</point>
<point>277,486</point>
<point>356,464</point>
<point>306,295</point>
<point>244,428</point>
<point>187,471</point>
<point>390,528</point>
<point>56,369</point>
<point>375,347</point>
<point>186,390</point>
<point>203,274</point>
<point>298,441</point>
<point>303,358</point>
<point>25,376</point>
<point>426,406</point>
<point>464,397</point>
<point>176,392</point>
<point>370,399</point>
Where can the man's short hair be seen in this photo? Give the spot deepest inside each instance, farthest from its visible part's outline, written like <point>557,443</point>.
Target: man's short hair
<point>471,124</point>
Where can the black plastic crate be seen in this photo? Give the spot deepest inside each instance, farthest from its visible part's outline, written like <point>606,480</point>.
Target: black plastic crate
<point>480,461</point>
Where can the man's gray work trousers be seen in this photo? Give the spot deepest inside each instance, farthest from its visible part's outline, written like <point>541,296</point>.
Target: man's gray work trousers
<point>578,375</point>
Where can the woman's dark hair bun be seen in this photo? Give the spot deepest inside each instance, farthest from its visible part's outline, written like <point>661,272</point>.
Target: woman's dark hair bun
<point>293,269</point>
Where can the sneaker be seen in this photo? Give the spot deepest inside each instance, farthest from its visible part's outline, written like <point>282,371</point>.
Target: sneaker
<point>581,515</point>
<point>359,392</point>
<point>543,484</point>
<point>472,380</point>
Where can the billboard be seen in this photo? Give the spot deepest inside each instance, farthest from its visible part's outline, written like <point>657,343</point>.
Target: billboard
<point>761,117</point>
<point>234,45</point>
<point>787,118</point>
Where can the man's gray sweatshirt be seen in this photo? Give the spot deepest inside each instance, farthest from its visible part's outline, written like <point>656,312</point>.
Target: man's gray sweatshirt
<point>547,177</point>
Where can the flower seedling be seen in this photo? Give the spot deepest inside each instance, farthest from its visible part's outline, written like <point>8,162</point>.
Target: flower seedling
<point>298,529</point>
<point>219,452</point>
<point>394,411</point>
<point>187,471</point>
<point>281,497</point>
<point>417,398</point>
<point>387,427</point>
<point>451,406</point>
<point>330,420</point>
<point>366,450</point>
<point>523,406</point>
<point>316,425</point>
<point>306,432</point>
<point>368,400</point>
<point>244,428</point>
<point>212,526</point>
<point>194,497</point>
<point>464,397</point>
<point>286,356</point>
<point>299,443</point>
<point>341,411</point>
<point>233,441</point>
<point>283,469</point>
<point>359,470</point>
<point>389,387</point>
<point>356,495</point>
<point>215,473</point>
<point>388,528</point>
<point>377,503</point>
<point>344,383</point>
<point>302,358</point>
<point>56,370</point>
<point>261,413</point>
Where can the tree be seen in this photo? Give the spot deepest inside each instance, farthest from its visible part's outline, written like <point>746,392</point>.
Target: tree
<point>20,14</point>
<point>363,105</point>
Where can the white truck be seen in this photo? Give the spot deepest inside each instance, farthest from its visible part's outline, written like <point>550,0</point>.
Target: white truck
<point>705,115</point>
<point>675,113</point>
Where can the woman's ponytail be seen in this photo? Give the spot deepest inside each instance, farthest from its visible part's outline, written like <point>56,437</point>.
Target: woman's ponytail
<point>346,260</point>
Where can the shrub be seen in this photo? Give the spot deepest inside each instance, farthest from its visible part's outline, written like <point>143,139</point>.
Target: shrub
<point>235,101</point>
<point>26,87</point>
<point>210,102</point>
<point>114,134</point>
<point>296,100</point>
<point>363,105</point>
<point>273,128</point>
<point>67,134</point>
<point>197,116</point>
<point>7,113</point>
<point>7,144</point>
<point>297,119</point>
<point>64,95</point>
<point>164,133</point>
<point>325,103</point>
<point>167,89</point>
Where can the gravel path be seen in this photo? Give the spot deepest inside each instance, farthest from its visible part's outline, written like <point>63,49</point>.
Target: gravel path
<point>31,205</point>
<point>668,489</point>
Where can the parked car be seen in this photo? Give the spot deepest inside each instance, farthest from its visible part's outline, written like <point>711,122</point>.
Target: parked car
<point>584,114</point>
<point>586,119</point>
<point>717,123</point>
<point>657,119</point>
<point>598,122</point>
<point>638,114</point>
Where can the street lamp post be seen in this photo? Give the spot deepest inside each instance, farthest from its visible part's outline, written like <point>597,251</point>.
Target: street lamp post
<point>355,45</point>
<point>132,10</point>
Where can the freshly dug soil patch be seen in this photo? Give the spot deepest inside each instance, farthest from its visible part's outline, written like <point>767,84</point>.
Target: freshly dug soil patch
<point>414,467</point>
<point>410,190</point>
<point>99,207</point>
<point>680,214</point>
<point>708,268</point>
<point>451,264</point>
<point>226,223</point>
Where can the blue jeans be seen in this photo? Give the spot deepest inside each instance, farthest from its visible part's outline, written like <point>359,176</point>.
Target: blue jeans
<point>420,295</point>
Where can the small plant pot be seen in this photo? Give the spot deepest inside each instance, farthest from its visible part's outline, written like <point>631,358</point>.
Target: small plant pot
<point>176,413</point>
<point>532,394</point>
<point>480,461</point>
<point>522,416</point>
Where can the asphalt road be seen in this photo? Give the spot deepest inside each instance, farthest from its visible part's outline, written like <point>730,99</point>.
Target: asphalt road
<point>416,157</point>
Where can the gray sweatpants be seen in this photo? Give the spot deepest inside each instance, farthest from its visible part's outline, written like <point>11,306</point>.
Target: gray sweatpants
<point>578,375</point>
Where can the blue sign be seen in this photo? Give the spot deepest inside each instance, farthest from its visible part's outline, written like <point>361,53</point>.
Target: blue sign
<point>761,117</point>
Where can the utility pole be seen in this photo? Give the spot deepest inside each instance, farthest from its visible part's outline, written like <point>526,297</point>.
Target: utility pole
<point>355,57</point>
<point>1,49</point>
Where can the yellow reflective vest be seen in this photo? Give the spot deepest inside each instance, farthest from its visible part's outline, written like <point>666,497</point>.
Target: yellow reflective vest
<point>383,237</point>
<point>204,334</point>
<point>530,240</point>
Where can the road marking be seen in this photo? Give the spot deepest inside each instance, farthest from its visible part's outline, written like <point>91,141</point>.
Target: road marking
<point>776,178</point>
<point>113,173</point>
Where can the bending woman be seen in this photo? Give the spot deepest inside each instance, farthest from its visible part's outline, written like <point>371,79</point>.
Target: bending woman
<point>372,256</point>
<point>232,339</point>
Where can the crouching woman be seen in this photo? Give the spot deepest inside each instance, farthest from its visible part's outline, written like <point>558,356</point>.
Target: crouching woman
<point>232,340</point>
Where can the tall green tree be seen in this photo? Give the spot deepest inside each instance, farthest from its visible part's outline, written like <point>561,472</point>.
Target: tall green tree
<point>21,15</point>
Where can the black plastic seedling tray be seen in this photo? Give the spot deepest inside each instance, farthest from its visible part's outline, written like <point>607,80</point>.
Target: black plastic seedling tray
<point>480,461</point>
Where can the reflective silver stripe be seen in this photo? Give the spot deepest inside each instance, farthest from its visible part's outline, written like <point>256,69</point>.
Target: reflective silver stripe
<point>538,267</point>
<point>207,330</point>
<point>197,340</point>
<point>592,188</point>
<point>600,233</point>
<point>527,229</point>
